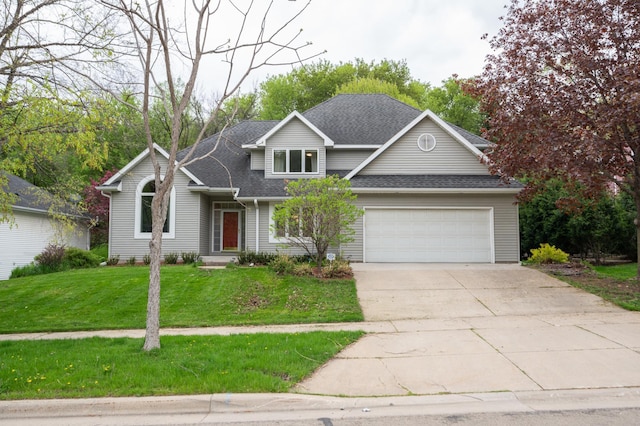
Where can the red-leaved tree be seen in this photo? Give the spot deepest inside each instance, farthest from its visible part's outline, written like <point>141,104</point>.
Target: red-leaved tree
<point>562,91</point>
<point>97,206</point>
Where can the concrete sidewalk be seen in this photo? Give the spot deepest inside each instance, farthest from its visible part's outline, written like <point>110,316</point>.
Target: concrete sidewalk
<point>501,337</point>
<point>481,328</point>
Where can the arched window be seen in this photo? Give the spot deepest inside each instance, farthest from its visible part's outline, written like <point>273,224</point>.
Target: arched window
<point>144,195</point>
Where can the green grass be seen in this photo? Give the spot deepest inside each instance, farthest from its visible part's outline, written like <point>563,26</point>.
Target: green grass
<point>185,365</point>
<point>616,284</point>
<point>116,297</point>
<point>101,250</point>
<point>622,272</point>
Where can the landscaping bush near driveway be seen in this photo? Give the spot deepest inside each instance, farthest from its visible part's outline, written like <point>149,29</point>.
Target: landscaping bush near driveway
<point>115,298</point>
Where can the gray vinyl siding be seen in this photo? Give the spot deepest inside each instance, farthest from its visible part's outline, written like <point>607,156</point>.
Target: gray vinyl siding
<point>404,156</point>
<point>505,214</point>
<point>205,225</point>
<point>346,159</point>
<point>264,244</point>
<point>294,135</point>
<point>250,227</point>
<point>257,159</point>
<point>187,216</point>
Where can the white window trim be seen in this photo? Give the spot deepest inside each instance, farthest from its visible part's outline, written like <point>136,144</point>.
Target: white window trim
<point>304,153</point>
<point>137,234</point>
<point>272,237</point>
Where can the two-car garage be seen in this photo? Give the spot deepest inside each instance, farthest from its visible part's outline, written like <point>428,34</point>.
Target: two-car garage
<point>428,235</point>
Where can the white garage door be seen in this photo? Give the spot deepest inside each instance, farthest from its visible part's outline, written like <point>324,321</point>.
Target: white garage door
<point>428,235</point>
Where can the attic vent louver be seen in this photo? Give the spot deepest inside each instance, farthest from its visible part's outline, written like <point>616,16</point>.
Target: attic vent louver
<point>426,142</point>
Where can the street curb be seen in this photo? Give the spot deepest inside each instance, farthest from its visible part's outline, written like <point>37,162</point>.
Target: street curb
<point>311,406</point>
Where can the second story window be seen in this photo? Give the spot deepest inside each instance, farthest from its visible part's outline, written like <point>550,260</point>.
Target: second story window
<point>295,161</point>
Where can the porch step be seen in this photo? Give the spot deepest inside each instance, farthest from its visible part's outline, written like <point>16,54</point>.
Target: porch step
<point>217,260</point>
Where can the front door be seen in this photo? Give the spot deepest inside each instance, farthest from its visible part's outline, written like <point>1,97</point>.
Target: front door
<point>230,228</point>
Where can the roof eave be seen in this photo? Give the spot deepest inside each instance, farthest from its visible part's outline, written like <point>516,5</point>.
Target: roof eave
<point>110,188</point>
<point>436,190</point>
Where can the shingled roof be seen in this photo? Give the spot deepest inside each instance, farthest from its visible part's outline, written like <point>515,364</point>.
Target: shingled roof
<point>28,196</point>
<point>362,119</point>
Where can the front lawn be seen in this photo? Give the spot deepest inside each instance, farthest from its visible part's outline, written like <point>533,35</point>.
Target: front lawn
<point>617,283</point>
<point>185,365</point>
<point>116,297</point>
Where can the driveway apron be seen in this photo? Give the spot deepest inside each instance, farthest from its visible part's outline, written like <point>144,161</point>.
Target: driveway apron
<point>460,328</point>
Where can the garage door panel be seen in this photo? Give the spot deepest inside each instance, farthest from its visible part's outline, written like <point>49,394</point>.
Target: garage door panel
<point>428,235</point>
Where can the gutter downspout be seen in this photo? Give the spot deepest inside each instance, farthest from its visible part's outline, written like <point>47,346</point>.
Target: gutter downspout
<point>255,203</point>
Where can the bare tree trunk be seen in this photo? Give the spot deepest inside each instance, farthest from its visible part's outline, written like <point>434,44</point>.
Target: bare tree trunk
<point>152,334</point>
<point>159,206</point>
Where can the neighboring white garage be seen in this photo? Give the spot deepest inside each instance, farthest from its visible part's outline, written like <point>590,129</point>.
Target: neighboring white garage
<point>32,228</point>
<point>428,235</point>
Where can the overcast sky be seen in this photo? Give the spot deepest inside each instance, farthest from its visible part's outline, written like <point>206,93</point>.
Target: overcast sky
<point>437,38</point>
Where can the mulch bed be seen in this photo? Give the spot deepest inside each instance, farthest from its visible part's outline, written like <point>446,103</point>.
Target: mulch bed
<point>592,281</point>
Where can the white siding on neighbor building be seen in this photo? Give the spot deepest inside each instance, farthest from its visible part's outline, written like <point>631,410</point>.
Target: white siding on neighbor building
<point>29,235</point>
<point>294,135</point>
<point>187,216</point>
<point>404,157</point>
<point>505,216</point>
<point>346,159</point>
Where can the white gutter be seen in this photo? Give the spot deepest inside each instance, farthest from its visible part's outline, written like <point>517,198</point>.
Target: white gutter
<point>436,190</point>
<point>257,206</point>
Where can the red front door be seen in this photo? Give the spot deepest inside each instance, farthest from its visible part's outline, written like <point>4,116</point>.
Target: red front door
<point>230,230</point>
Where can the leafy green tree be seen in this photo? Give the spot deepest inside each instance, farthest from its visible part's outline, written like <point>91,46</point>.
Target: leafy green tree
<point>234,110</point>
<point>577,224</point>
<point>51,141</point>
<point>318,215</point>
<point>48,51</point>
<point>372,85</point>
<point>306,87</point>
<point>452,104</point>
<point>124,135</point>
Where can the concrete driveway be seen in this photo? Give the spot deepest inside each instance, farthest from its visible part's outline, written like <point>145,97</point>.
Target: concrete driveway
<point>480,328</point>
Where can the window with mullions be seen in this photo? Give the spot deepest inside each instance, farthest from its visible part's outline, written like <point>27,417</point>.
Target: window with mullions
<point>297,225</point>
<point>144,195</point>
<point>148,191</point>
<point>295,161</point>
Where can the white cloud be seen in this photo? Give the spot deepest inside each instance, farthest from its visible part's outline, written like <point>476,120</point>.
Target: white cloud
<point>437,38</point>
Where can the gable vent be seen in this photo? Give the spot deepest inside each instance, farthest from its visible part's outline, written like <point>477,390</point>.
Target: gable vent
<point>426,142</point>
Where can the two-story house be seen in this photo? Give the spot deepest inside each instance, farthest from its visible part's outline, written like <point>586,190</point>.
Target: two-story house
<point>424,185</point>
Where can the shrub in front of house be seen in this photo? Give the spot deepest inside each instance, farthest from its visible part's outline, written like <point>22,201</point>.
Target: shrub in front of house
<point>190,257</point>
<point>257,258</point>
<point>171,258</point>
<point>51,257</point>
<point>56,258</point>
<point>282,264</point>
<point>548,254</point>
<point>77,258</point>
<point>337,269</point>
